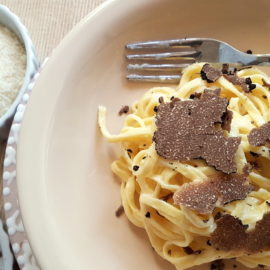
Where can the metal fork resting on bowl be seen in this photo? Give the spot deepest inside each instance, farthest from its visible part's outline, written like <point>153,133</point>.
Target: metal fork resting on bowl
<point>163,60</point>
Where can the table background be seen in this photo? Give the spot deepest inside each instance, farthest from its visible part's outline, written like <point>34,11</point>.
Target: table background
<point>47,21</point>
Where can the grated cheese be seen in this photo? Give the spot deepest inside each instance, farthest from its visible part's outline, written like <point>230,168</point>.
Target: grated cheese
<point>12,67</point>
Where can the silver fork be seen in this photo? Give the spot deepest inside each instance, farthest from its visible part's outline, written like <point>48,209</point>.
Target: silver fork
<point>163,60</point>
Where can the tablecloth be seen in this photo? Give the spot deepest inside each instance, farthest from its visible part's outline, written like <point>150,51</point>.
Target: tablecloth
<point>48,21</point>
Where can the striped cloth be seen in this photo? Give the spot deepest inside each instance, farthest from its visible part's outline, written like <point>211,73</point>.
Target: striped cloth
<point>48,21</point>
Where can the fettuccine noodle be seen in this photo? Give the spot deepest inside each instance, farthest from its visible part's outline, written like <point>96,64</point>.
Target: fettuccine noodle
<point>146,189</point>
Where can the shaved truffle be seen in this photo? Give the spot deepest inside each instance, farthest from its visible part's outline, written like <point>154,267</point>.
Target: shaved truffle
<point>259,238</point>
<point>232,187</point>
<point>161,99</point>
<point>197,196</point>
<point>186,130</point>
<point>260,136</point>
<point>188,250</point>
<point>210,74</point>
<point>119,211</point>
<point>225,69</point>
<point>216,191</point>
<point>226,120</point>
<point>245,83</point>
<point>148,215</point>
<point>231,234</point>
<point>124,109</point>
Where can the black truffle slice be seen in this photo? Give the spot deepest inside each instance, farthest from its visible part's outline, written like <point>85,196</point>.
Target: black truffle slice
<point>225,69</point>
<point>227,120</point>
<point>119,211</point>
<point>259,238</point>
<point>231,234</point>
<point>123,110</point>
<point>232,187</point>
<point>197,196</point>
<point>210,74</point>
<point>204,196</point>
<point>245,83</point>
<point>186,130</point>
<point>260,136</point>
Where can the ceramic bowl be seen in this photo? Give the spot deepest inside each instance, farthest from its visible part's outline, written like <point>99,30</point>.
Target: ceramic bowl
<point>67,193</point>
<point>12,22</point>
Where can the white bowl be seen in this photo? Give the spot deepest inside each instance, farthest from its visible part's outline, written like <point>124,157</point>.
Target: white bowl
<point>12,22</point>
<point>67,193</point>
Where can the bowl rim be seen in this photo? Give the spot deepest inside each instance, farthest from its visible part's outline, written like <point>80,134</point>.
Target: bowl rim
<point>32,62</point>
<point>74,32</point>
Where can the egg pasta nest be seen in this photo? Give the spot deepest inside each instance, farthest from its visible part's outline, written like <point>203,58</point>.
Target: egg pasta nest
<point>181,235</point>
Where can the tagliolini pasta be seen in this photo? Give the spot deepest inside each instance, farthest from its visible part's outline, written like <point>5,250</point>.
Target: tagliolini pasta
<point>148,180</point>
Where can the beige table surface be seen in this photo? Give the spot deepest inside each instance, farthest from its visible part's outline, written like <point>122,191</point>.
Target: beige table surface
<point>47,21</point>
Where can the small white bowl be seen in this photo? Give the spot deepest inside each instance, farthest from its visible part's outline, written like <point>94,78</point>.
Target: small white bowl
<point>13,23</point>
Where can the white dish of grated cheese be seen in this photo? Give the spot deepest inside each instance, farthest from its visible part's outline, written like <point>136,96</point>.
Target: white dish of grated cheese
<point>12,67</point>
<point>18,64</point>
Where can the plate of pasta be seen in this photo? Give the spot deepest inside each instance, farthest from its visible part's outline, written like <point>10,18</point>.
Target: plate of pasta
<point>149,176</point>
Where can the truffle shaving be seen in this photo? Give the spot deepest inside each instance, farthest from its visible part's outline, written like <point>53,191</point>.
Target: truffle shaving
<point>245,83</point>
<point>226,120</point>
<point>259,238</point>
<point>123,110</point>
<point>186,130</point>
<point>231,234</point>
<point>204,196</point>
<point>260,136</point>
<point>209,73</point>
<point>197,196</point>
<point>120,211</point>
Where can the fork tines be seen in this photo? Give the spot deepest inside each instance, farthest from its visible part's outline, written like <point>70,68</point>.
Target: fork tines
<point>160,61</point>
<point>163,44</point>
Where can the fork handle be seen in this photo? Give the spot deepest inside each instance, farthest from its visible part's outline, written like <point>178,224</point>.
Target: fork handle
<point>261,60</point>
